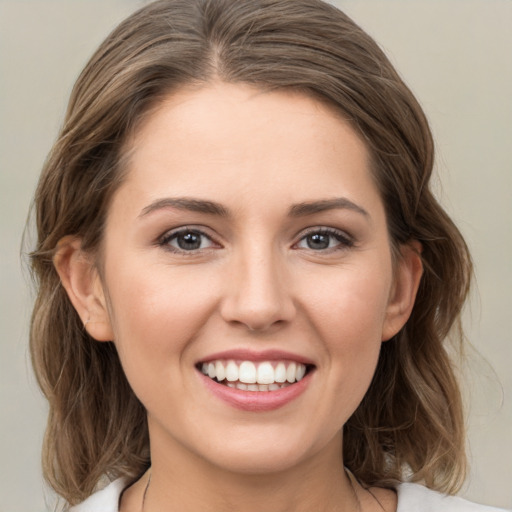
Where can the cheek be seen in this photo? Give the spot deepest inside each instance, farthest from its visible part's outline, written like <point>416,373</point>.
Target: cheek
<point>351,301</point>
<point>155,314</point>
<point>348,309</point>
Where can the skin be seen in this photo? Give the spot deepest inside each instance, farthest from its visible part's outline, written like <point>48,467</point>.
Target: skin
<point>255,284</point>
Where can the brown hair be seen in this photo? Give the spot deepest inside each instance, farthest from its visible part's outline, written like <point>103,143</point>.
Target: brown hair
<point>411,417</point>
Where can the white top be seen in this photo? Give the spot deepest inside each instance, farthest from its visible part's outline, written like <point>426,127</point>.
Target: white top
<point>411,498</point>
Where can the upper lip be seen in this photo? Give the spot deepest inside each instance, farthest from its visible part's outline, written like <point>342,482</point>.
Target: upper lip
<point>257,356</point>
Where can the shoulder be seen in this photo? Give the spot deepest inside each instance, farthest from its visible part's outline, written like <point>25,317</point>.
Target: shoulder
<point>416,498</point>
<point>106,500</point>
<point>411,498</point>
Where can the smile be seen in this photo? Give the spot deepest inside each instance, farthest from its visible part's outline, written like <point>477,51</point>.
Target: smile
<point>254,376</point>
<point>256,381</point>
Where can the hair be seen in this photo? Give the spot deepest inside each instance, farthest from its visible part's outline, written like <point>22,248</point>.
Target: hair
<point>410,421</point>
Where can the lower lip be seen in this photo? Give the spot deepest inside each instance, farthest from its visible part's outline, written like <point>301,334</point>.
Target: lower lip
<point>256,401</point>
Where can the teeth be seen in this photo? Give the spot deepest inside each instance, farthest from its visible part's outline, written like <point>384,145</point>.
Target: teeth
<point>265,374</point>
<point>290,372</point>
<point>220,373</point>
<point>256,387</point>
<point>250,376</point>
<point>231,371</point>
<point>247,372</point>
<point>280,373</point>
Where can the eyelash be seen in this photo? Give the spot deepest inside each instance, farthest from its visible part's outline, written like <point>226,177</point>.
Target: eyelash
<point>344,241</point>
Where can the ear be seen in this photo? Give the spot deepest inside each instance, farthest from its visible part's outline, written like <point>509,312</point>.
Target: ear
<point>407,276</point>
<point>82,283</point>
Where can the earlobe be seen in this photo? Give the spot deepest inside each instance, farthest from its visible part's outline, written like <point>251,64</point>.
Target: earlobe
<point>408,272</point>
<point>82,283</point>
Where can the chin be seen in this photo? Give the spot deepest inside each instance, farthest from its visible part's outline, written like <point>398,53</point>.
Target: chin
<point>266,452</point>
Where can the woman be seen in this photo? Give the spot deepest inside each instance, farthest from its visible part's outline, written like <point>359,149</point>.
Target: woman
<point>244,280</point>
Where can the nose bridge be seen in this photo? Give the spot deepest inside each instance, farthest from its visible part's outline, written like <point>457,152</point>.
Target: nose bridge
<point>258,295</point>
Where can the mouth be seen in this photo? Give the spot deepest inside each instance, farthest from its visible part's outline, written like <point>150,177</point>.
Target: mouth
<point>260,376</point>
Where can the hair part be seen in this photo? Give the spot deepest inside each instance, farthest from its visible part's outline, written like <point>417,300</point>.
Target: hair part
<point>411,417</point>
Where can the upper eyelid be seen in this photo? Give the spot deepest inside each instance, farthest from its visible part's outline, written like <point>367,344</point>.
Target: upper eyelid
<point>325,229</point>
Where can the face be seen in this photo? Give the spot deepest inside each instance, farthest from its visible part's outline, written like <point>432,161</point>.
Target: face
<point>249,277</point>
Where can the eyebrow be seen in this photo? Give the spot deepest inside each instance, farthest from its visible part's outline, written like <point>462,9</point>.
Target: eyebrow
<point>213,208</point>
<point>309,208</point>
<point>189,204</point>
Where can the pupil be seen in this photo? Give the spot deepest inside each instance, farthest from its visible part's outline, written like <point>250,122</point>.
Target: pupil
<point>318,241</point>
<point>189,241</point>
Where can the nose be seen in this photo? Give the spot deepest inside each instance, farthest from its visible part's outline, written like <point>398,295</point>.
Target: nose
<point>258,294</point>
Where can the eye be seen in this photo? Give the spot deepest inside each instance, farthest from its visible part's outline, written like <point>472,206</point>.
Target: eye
<point>325,239</point>
<point>187,240</point>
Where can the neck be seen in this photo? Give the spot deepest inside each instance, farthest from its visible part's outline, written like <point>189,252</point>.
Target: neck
<point>186,482</point>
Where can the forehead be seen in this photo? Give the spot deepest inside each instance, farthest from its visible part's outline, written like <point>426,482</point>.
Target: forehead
<point>223,139</point>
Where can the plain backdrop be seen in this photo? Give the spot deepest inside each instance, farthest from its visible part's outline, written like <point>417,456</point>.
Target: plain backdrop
<point>456,55</point>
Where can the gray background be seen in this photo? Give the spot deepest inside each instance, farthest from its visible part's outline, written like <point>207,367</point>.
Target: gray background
<point>457,57</point>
